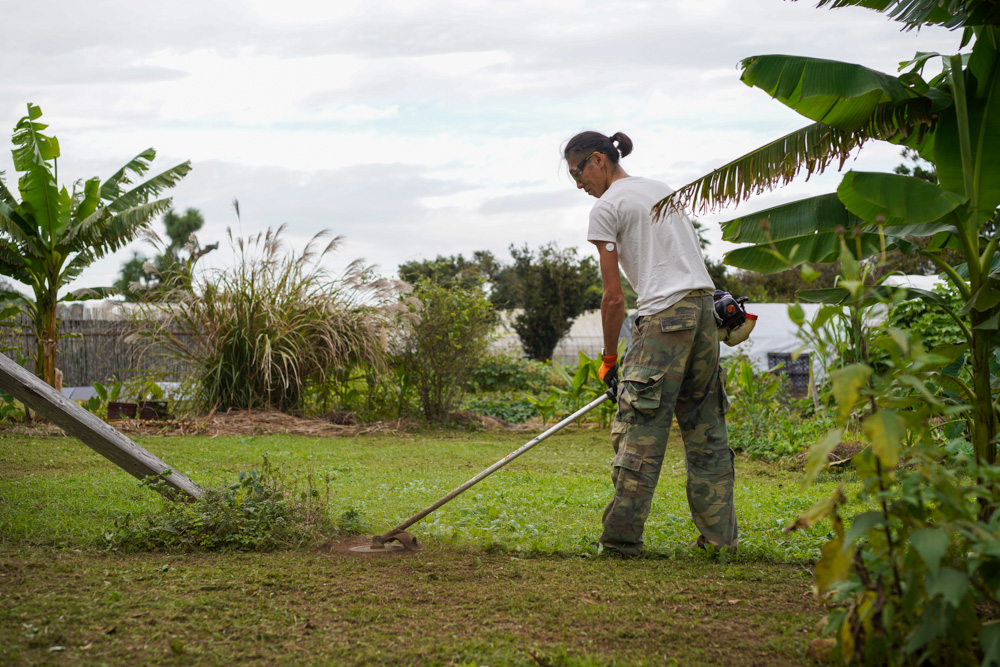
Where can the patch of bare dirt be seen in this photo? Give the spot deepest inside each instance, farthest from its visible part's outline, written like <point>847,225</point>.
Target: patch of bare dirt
<point>261,422</point>
<point>840,456</point>
<point>267,422</point>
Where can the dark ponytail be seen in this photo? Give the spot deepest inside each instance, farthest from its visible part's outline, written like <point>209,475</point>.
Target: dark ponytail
<point>617,146</point>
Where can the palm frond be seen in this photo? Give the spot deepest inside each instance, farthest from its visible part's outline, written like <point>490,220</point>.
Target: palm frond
<point>915,13</point>
<point>12,263</point>
<point>90,293</point>
<point>76,266</point>
<point>813,148</point>
<point>13,225</point>
<point>6,196</point>
<point>120,229</point>
<point>111,188</point>
<point>143,192</point>
<point>34,149</point>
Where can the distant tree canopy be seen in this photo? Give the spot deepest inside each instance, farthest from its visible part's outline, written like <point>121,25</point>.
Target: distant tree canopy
<point>140,276</point>
<point>551,287</point>
<point>454,270</point>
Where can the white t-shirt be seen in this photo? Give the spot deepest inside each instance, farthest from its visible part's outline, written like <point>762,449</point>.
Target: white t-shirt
<point>662,260</point>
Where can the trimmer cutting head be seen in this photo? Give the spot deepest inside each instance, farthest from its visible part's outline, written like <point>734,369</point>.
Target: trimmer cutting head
<point>379,545</point>
<point>377,548</point>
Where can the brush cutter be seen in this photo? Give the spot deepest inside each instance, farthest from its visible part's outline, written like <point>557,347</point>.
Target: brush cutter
<point>411,543</point>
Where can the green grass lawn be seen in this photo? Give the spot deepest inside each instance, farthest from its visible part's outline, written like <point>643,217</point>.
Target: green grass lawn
<point>506,578</point>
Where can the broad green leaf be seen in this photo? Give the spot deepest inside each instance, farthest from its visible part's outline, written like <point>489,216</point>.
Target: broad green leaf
<point>819,455</point>
<point>820,247</point>
<point>931,544</point>
<point>892,199</point>
<point>797,314</point>
<point>809,274</point>
<point>862,523</point>
<point>990,640</point>
<point>984,113</point>
<point>984,128</point>
<point>839,94</point>
<point>833,565</point>
<point>847,384</point>
<point>34,149</point>
<point>875,294</point>
<point>950,584</point>
<point>886,431</point>
<point>91,198</point>
<point>982,62</point>
<point>795,219</point>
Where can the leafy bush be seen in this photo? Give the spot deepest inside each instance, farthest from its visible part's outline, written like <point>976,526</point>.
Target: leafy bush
<point>573,388</point>
<point>511,407</point>
<point>256,334</point>
<point>762,421</point>
<point>914,579</point>
<point>258,512</point>
<point>509,371</point>
<point>442,349</point>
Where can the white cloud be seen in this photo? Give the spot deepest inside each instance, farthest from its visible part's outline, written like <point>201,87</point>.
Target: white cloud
<point>417,128</point>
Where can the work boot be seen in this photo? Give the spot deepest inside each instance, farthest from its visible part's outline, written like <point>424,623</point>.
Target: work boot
<point>702,543</point>
<point>603,550</point>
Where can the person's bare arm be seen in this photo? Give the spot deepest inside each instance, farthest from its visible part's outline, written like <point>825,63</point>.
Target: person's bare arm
<point>613,300</point>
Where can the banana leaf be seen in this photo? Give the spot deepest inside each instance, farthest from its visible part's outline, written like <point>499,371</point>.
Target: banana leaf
<point>893,199</point>
<point>843,95</point>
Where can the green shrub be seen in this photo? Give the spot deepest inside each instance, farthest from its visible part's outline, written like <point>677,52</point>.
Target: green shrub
<point>257,512</point>
<point>509,371</point>
<point>762,421</point>
<point>914,579</point>
<point>440,352</point>
<point>511,407</point>
<point>572,388</point>
<point>256,334</point>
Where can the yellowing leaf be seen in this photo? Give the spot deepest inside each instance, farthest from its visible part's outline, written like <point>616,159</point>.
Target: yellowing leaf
<point>847,384</point>
<point>886,431</point>
<point>833,564</point>
<point>819,510</point>
<point>819,455</point>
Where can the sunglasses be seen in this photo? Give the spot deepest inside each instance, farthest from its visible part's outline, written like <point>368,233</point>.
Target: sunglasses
<point>577,171</point>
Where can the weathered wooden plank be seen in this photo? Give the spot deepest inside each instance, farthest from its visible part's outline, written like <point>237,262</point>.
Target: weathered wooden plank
<point>88,429</point>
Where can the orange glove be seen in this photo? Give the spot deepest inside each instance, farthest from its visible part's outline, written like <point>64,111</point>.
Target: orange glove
<point>608,372</point>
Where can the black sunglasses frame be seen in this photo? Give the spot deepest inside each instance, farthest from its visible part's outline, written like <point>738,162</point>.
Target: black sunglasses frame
<point>577,171</point>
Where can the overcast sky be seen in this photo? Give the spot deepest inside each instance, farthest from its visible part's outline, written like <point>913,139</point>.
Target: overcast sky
<point>416,128</point>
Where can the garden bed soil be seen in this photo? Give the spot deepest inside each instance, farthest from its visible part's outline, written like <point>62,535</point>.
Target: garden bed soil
<point>263,422</point>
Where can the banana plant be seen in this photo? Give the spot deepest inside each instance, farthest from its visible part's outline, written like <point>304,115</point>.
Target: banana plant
<point>50,235</point>
<point>952,119</point>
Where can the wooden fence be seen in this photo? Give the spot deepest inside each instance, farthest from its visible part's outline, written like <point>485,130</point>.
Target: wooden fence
<point>91,350</point>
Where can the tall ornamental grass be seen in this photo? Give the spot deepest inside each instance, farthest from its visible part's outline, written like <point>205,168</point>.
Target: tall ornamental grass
<point>255,334</point>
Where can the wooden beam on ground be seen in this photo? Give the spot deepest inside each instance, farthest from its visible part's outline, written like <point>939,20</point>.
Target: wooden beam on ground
<point>89,429</point>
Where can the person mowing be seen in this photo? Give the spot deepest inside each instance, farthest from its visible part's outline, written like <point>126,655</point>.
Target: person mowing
<point>671,368</point>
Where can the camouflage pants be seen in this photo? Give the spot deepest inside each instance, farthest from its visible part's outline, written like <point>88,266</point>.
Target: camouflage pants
<point>672,367</point>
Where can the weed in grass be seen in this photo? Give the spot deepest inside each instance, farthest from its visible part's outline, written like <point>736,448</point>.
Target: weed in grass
<point>258,512</point>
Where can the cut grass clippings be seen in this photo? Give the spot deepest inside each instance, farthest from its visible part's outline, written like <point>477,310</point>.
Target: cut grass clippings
<point>473,597</point>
